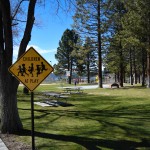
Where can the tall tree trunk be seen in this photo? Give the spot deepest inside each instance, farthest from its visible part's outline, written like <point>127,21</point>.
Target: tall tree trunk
<point>88,74</point>
<point>124,77</point>
<point>148,50</point>
<point>88,68</point>
<point>29,25</point>
<point>148,70</point>
<point>143,67</point>
<point>139,78</point>
<point>121,65</point>
<point>135,68</point>
<point>131,73</point>
<point>121,68</point>
<point>70,77</point>
<point>100,82</point>
<point>121,74</point>
<point>10,121</point>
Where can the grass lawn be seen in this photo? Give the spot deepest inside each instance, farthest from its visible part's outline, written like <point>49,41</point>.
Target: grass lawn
<point>101,119</point>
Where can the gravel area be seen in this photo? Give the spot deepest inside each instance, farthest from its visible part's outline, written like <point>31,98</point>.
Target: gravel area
<point>12,144</point>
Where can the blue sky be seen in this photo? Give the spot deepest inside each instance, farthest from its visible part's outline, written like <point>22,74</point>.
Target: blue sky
<point>48,30</point>
<point>52,25</point>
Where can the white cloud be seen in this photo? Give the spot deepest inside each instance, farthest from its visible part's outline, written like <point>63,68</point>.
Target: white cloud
<point>40,50</point>
<point>49,54</point>
<point>37,48</point>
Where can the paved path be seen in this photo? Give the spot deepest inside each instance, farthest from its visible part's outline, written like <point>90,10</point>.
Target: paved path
<point>91,86</point>
<point>2,145</point>
<point>84,87</point>
<point>94,86</point>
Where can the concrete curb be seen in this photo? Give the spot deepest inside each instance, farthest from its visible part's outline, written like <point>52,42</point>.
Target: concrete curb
<point>2,145</point>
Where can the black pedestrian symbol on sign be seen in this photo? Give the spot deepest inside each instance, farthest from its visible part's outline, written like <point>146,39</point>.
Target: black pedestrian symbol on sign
<point>22,69</point>
<point>39,69</point>
<point>42,67</point>
<point>31,69</point>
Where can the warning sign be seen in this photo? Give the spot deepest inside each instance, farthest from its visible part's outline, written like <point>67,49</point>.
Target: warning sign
<point>31,69</point>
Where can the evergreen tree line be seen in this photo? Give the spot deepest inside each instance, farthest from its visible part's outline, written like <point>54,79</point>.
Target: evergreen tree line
<point>128,52</point>
<point>75,56</point>
<point>113,32</point>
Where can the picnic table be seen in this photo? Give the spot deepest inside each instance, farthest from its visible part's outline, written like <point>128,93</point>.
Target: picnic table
<point>73,90</point>
<point>52,94</point>
<point>55,95</point>
<point>53,102</point>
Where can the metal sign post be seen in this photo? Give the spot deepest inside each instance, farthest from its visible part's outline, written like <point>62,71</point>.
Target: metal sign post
<point>31,69</point>
<point>32,120</point>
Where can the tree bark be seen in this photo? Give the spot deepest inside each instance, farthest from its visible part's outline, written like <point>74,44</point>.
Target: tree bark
<point>27,33</point>
<point>131,73</point>
<point>121,68</point>
<point>143,66</point>
<point>88,68</point>
<point>10,120</point>
<point>70,77</point>
<point>135,67</point>
<point>100,82</point>
<point>148,70</point>
<point>121,74</point>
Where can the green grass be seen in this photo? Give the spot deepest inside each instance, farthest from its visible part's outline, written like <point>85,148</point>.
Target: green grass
<point>101,119</point>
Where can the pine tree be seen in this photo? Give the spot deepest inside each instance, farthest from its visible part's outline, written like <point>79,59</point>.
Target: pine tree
<point>136,29</point>
<point>114,15</point>
<point>87,21</point>
<point>66,46</point>
<point>90,58</point>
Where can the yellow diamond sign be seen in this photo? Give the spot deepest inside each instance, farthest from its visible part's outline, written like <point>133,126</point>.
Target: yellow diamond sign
<point>31,69</point>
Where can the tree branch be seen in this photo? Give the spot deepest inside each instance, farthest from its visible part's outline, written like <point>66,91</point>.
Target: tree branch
<point>17,8</point>
<point>28,28</point>
<point>20,20</point>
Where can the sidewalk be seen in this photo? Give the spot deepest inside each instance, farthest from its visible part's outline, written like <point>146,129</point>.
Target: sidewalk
<point>2,145</point>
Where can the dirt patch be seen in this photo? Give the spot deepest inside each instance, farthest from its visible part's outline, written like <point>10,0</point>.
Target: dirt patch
<point>12,144</point>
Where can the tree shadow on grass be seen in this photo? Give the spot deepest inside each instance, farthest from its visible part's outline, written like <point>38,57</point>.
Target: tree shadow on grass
<point>91,143</point>
<point>134,87</point>
<point>130,112</point>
